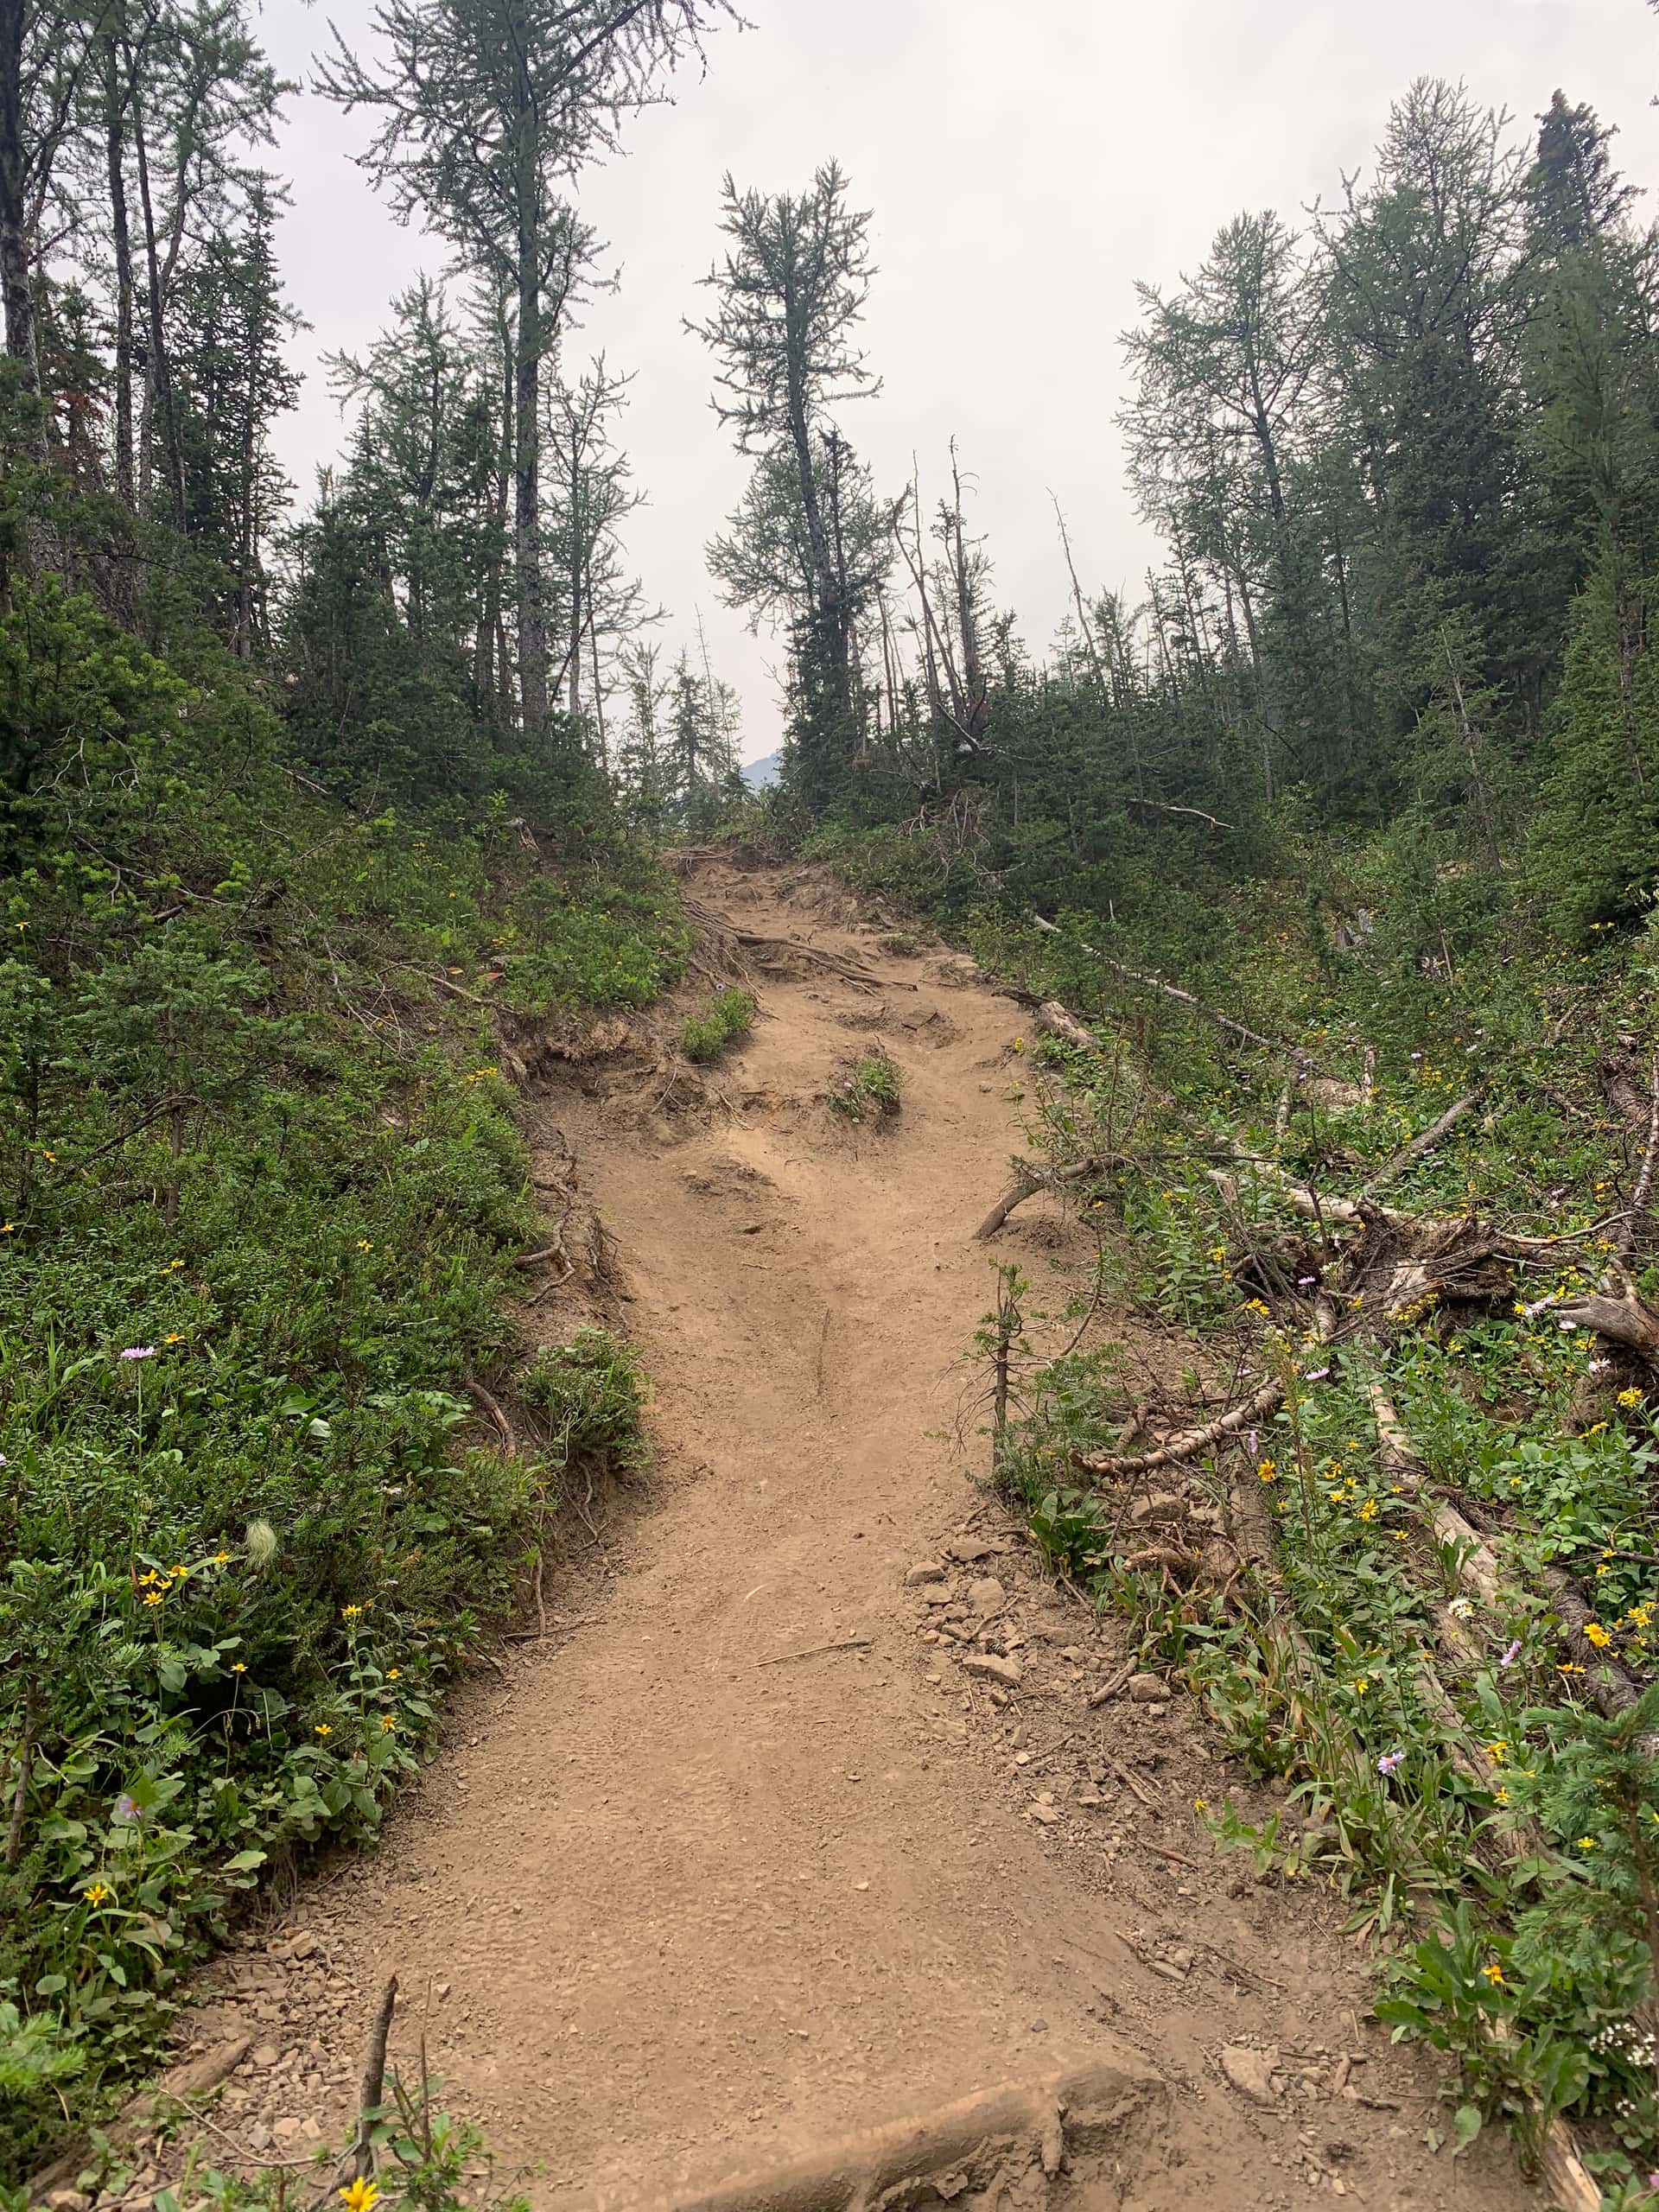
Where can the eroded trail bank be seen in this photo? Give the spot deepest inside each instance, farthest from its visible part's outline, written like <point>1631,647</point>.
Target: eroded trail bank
<point>749,1858</point>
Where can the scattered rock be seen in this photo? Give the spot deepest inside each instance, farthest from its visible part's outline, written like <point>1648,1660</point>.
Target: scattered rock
<point>1089,1795</point>
<point>1048,1815</point>
<point>1148,1689</point>
<point>1008,1672</point>
<point>265,2054</point>
<point>68,2200</point>
<point>1250,2072</point>
<point>968,1549</point>
<point>927,1570</point>
<point>987,1596</point>
<point>287,2129</point>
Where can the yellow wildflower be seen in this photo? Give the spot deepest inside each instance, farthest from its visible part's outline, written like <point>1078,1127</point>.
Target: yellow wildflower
<point>1586,1843</point>
<point>1494,1974</point>
<point>323,1729</point>
<point>1594,1633</point>
<point>362,2195</point>
<point>238,1667</point>
<point>96,1893</point>
<point>387,1723</point>
<point>1630,1398</point>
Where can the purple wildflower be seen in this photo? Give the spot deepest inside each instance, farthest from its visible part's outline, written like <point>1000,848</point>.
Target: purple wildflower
<point>1302,1282</point>
<point>139,1352</point>
<point>1511,1654</point>
<point>1566,1328</point>
<point>1254,1442</point>
<point>1390,1762</point>
<point>1531,1313</point>
<point>1416,1056</point>
<point>1318,1375</point>
<point>126,1807</point>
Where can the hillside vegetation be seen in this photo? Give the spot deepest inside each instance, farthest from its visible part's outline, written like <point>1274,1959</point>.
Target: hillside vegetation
<point>1341,834</point>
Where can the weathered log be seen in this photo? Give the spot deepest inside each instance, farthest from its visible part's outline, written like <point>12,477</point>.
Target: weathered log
<point>1625,1320</point>
<point>1267,1400</point>
<point>1294,1053</point>
<point>1409,1154</point>
<point>1027,1181</point>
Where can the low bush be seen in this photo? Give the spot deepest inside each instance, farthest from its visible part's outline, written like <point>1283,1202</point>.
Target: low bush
<point>870,1089</point>
<point>261,1190</point>
<point>728,1015</point>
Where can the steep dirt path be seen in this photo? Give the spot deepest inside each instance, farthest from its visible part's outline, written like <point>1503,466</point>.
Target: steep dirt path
<point>669,1912</point>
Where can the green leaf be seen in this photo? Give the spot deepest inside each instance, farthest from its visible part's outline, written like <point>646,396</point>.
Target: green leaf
<point>1465,2128</point>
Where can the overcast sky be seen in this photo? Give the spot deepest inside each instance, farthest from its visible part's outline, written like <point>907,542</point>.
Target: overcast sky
<point>1026,160</point>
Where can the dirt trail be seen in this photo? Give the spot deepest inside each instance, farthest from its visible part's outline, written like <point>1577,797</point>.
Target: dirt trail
<point>670,1912</point>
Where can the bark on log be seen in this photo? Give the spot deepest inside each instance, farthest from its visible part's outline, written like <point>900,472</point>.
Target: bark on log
<point>1625,1321</point>
<point>1408,1155</point>
<point>1267,1400</point>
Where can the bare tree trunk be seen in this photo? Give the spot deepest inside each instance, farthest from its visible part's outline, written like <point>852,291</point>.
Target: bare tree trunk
<point>114,109</point>
<point>158,374</point>
<point>14,216</point>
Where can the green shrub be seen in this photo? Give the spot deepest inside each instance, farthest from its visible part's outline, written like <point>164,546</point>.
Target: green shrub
<point>868,1089</point>
<point>262,1191</point>
<point>588,1398</point>
<point>728,1015</point>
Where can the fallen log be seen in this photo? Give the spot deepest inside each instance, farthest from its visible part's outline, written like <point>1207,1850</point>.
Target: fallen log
<point>1410,1154</point>
<point>1623,1320</point>
<point>1027,1181</point>
<point>1267,1400</point>
<point>1294,1053</point>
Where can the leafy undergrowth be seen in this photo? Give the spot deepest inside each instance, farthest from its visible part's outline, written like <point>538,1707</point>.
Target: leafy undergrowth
<point>260,1190</point>
<point>1460,1712</point>
<point>726,1016</point>
<point>868,1089</point>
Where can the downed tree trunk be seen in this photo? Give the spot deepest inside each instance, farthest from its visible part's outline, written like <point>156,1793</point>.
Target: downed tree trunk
<point>1029,1180</point>
<point>1267,1400</point>
<point>1477,1562</point>
<point>1623,1321</point>
<point>1410,1154</point>
<point>1294,1053</point>
<point>1052,1020</point>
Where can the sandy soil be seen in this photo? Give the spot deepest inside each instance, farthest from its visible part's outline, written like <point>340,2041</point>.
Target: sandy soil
<point>692,1891</point>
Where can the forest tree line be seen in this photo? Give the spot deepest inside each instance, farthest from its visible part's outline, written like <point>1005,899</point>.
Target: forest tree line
<point>1400,454</point>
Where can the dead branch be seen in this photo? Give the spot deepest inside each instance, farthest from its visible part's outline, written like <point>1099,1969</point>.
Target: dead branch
<point>1157,806</point>
<point>814,1651</point>
<point>1626,1238</point>
<point>1407,1156</point>
<point>1267,1399</point>
<point>1029,1181</point>
<point>374,2082</point>
<point>492,1406</point>
<point>1292,1052</point>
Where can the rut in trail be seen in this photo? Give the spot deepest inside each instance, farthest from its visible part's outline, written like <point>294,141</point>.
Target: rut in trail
<point>668,1912</point>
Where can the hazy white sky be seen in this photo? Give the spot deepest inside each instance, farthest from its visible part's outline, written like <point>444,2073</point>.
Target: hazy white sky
<point>1026,161</point>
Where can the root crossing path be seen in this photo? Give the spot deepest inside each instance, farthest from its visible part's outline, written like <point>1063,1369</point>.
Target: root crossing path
<point>747,1859</point>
